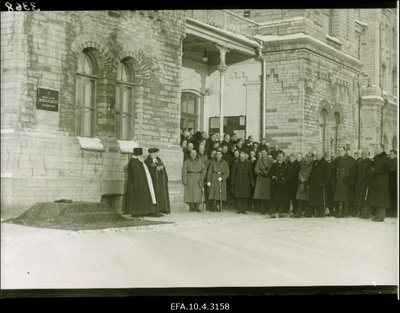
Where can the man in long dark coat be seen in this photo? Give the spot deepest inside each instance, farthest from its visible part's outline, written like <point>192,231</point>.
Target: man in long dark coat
<point>193,173</point>
<point>242,179</point>
<point>318,182</point>
<point>341,181</point>
<point>218,173</point>
<point>351,186</point>
<point>159,177</point>
<point>280,175</point>
<point>393,183</point>
<point>379,195</point>
<point>263,182</point>
<point>362,182</point>
<point>295,164</point>
<point>140,198</point>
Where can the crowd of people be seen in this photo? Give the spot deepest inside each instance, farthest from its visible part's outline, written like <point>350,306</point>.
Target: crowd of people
<point>247,175</point>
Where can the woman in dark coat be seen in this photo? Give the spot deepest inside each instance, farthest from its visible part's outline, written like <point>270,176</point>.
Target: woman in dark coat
<point>319,181</point>
<point>159,177</point>
<point>379,193</point>
<point>362,182</point>
<point>140,198</point>
<point>280,175</point>
<point>193,173</point>
<point>242,179</point>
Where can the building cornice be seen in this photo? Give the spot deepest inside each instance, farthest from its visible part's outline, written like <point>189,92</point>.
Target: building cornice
<point>301,41</point>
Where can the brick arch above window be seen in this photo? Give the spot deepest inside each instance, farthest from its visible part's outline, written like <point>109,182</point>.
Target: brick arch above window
<point>141,64</point>
<point>96,45</point>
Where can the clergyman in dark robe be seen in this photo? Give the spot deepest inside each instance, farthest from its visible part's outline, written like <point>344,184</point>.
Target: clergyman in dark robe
<point>140,198</point>
<point>159,177</point>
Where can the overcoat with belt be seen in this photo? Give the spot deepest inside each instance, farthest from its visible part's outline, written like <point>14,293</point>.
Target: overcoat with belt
<point>217,169</point>
<point>263,183</point>
<point>193,173</point>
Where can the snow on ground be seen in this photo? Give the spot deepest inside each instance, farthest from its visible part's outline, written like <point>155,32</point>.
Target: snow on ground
<point>204,250</point>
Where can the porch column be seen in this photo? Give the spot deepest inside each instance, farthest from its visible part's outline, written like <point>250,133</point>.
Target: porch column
<point>222,67</point>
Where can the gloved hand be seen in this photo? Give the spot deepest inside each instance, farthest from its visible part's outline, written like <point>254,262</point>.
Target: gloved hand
<point>200,183</point>
<point>209,184</point>
<point>219,178</point>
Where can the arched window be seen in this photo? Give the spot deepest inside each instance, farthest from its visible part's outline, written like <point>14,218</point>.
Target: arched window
<point>124,101</point>
<point>86,81</point>
<point>336,120</point>
<point>322,124</point>
<point>190,105</point>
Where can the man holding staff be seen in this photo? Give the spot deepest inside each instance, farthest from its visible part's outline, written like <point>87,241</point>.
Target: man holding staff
<point>218,173</point>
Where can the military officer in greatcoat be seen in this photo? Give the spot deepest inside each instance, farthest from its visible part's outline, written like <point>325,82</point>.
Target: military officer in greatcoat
<point>318,182</point>
<point>362,181</point>
<point>341,181</point>
<point>242,179</point>
<point>218,173</point>
<point>193,173</point>
<point>379,195</point>
<point>280,175</point>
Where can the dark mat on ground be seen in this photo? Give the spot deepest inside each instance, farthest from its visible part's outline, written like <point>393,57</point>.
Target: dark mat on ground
<point>76,216</point>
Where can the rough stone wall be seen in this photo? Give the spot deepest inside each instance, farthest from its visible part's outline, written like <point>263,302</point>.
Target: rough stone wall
<point>379,112</point>
<point>41,49</point>
<point>284,105</point>
<point>333,87</point>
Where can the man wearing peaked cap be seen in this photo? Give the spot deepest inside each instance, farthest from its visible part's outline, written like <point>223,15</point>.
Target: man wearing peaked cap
<point>160,181</point>
<point>140,198</point>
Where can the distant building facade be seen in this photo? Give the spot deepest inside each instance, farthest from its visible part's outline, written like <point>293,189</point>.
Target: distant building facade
<point>81,89</point>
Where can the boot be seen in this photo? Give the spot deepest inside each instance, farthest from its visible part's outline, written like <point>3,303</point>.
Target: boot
<point>190,207</point>
<point>381,215</point>
<point>367,212</point>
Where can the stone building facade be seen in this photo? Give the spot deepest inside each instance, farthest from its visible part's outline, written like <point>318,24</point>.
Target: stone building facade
<point>305,79</point>
<point>79,152</point>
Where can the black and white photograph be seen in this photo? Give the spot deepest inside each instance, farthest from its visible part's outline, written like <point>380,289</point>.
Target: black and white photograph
<point>199,151</point>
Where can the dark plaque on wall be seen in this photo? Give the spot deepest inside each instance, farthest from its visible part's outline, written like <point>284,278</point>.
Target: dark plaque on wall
<point>47,99</point>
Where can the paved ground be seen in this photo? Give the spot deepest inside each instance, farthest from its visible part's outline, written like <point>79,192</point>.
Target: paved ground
<point>204,250</point>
